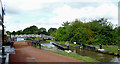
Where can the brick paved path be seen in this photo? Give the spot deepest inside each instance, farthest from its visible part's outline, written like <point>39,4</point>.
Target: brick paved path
<point>25,53</point>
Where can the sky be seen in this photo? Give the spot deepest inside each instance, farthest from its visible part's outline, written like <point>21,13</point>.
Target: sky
<point>21,14</point>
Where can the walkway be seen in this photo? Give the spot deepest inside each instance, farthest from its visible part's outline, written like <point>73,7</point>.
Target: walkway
<point>25,53</point>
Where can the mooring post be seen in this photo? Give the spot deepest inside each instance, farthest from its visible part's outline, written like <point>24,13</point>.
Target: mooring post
<point>3,50</point>
<point>35,44</point>
<point>68,45</point>
<point>40,45</point>
<point>100,46</point>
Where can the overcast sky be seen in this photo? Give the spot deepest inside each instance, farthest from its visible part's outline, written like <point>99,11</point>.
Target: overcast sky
<point>52,13</point>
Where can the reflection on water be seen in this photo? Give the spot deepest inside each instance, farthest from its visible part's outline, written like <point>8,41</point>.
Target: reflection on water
<point>20,39</point>
<point>49,45</point>
<point>95,55</point>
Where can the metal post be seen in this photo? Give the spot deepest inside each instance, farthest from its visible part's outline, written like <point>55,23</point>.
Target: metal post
<point>2,19</point>
<point>2,33</point>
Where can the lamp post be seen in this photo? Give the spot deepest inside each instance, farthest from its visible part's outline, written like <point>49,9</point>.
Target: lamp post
<point>2,20</point>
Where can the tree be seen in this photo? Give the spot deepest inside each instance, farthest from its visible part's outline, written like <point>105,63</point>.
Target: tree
<point>65,23</point>
<point>95,32</point>
<point>42,31</point>
<point>31,30</point>
<point>19,32</point>
<point>13,33</point>
<point>60,33</point>
<point>52,31</point>
<point>80,32</point>
<point>8,32</point>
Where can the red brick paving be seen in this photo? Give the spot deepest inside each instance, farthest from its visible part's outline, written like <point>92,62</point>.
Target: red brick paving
<point>23,52</point>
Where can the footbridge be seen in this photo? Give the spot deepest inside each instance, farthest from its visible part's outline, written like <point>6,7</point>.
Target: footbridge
<point>42,36</point>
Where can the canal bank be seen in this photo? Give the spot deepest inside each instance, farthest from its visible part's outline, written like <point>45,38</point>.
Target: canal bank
<point>106,49</point>
<point>100,57</point>
<point>97,57</point>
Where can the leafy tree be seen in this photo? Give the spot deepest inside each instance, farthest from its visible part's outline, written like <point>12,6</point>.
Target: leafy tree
<point>65,23</point>
<point>19,32</point>
<point>42,31</point>
<point>13,33</point>
<point>31,30</point>
<point>8,32</point>
<point>52,31</point>
<point>95,32</point>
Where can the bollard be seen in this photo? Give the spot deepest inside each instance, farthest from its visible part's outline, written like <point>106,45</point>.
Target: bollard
<point>100,46</point>
<point>35,44</point>
<point>40,45</point>
<point>3,50</point>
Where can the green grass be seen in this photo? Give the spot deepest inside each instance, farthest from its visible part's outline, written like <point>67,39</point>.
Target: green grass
<point>37,38</point>
<point>63,42</point>
<point>74,55</point>
<point>110,48</point>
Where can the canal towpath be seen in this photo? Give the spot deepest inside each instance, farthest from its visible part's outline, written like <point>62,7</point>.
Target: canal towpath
<point>25,53</point>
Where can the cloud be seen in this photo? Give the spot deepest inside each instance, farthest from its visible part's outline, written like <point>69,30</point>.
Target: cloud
<point>22,6</point>
<point>119,13</point>
<point>67,13</point>
<point>15,27</point>
<point>43,13</point>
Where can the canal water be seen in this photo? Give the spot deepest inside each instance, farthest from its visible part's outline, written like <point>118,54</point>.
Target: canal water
<point>49,46</point>
<point>20,39</point>
<point>99,57</point>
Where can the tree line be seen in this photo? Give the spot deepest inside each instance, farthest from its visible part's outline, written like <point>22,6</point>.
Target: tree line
<point>33,30</point>
<point>94,32</point>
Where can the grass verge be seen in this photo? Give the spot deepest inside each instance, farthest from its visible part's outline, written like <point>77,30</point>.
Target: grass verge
<point>111,48</point>
<point>63,42</point>
<point>74,55</point>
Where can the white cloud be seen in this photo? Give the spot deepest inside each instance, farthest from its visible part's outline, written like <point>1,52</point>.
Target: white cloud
<point>53,13</point>
<point>65,13</point>
<point>15,27</point>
